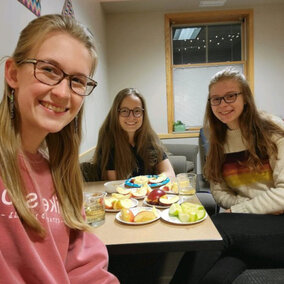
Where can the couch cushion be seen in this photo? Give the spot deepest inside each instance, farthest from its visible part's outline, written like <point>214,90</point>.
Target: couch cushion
<point>261,276</point>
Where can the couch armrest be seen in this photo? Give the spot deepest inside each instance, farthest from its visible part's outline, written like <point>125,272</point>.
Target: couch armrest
<point>180,164</point>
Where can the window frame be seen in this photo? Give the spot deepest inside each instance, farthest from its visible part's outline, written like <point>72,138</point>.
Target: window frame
<point>192,18</point>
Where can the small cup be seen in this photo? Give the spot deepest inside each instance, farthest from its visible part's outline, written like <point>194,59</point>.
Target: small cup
<point>94,205</point>
<point>186,183</point>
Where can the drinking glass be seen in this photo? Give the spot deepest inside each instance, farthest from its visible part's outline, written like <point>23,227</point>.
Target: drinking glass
<point>94,205</point>
<point>186,183</point>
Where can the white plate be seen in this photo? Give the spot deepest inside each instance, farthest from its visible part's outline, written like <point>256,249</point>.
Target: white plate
<point>111,185</point>
<point>134,204</point>
<point>159,206</point>
<point>175,220</point>
<point>135,211</point>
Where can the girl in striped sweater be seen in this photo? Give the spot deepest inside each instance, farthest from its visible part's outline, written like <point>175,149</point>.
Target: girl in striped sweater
<point>245,167</point>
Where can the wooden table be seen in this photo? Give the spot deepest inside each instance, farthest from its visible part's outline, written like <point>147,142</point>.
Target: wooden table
<point>159,236</point>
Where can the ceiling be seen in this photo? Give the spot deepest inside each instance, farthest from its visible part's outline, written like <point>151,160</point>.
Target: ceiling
<point>126,6</point>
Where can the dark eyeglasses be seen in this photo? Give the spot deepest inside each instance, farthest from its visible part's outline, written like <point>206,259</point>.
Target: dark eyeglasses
<point>50,74</point>
<point>125,112</point>
<point>229,98</point>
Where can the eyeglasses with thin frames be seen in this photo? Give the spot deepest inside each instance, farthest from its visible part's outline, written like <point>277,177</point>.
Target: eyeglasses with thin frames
<point>50,74</point>
<point>125,112</point>
<point>228,98</point>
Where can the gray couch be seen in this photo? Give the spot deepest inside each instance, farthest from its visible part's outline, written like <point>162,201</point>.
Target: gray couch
<point>183,157</point>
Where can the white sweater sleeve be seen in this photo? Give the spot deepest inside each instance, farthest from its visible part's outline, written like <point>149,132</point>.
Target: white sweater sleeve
<point>224,196</point>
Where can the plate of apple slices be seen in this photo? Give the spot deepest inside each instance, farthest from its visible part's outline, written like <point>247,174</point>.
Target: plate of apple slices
<point>138,215</point>
<point>113,204</point>
<point>185,213</point>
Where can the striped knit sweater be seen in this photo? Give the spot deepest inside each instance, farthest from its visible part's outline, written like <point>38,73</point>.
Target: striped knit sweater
<point>245,190</point>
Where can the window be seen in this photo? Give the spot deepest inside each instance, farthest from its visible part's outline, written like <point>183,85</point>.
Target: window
<point>197,46</point>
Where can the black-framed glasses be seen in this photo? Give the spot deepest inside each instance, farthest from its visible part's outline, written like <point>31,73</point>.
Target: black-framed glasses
<point>125,111</point>
<point>228,98</point>
<point>50,74</point>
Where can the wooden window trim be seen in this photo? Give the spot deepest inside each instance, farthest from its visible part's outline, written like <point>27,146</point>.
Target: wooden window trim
<point>205,17</point>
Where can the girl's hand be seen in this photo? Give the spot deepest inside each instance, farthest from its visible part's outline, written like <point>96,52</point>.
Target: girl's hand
<point>228,211</point>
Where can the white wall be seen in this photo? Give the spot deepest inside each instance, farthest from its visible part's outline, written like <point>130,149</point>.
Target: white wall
<point>136,58</point>
<point>136,54</point>
<point>269,58</point>
<point>14,17</point>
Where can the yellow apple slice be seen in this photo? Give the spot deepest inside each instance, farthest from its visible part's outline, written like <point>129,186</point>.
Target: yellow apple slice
<point>109,202</point>
<point>158,179</point>
<point>168,199</point>
<point>127,215</point>
<point>144,216</point>
<point>139,192</point>
<point>141,180</point>
<point>121,196</point>
<point>126,203</point>
<point>123,190</point>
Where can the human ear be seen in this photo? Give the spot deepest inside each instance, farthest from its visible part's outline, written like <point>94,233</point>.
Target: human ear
<point>11,72</point>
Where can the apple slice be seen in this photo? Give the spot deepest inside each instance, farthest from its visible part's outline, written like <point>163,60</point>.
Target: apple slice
<point>139,192</point>
<point>109,202</point>
<point>166,188</point>
<point>147,187</point>
<point>121,196</point>
<point>161,177</point>
<point>175,209</point>
<point>168,199</point>
<point>144,216</point>
<point>123,190</point>
<point>201,214</point>
<point>122,203</point>
<point>127,215</point>
<point>154,196</point>
<point>141,179</point>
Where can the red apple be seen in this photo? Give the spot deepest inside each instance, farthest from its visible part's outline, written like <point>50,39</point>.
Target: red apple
<point>154,196</point>
<point>166,188</point>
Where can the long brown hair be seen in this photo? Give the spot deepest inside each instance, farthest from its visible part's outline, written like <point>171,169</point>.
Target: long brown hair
<point>256,130</point>
<point>62,148</point>
<point>113,137</point>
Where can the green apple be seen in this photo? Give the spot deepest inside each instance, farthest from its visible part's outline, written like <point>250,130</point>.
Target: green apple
<point>183,217</point>
<point>200,214</point>
<point>192,216</point>
<point>175,209</point>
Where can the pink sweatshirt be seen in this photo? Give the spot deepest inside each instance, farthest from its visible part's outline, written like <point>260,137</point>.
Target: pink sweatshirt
<point>64,256</point>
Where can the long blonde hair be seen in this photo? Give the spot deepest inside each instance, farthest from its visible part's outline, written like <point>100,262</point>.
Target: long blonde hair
<point>62,148</point>
<point>113,137</point>
<point>256,130</point>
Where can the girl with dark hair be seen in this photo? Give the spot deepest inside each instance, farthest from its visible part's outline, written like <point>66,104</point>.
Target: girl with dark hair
<point>127,144</point>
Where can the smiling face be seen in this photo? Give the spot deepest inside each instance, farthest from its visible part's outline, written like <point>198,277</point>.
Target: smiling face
<point>42,108</point>
<point>228,113</point>
<point>131,123</point>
